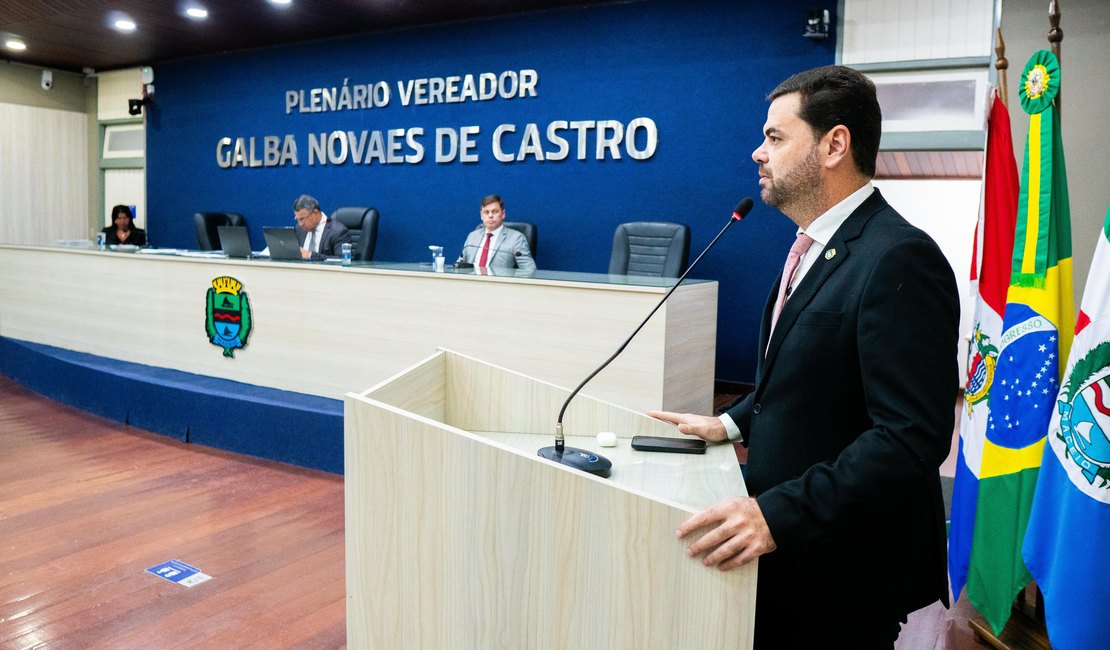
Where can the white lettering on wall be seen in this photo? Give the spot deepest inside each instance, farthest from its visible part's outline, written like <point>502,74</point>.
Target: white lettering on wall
<point>338,98</point>
<point>607,138</point>
<point>453,89</point>
<point>276,151</point>
<point>556,141</point>
<point>509,143</point>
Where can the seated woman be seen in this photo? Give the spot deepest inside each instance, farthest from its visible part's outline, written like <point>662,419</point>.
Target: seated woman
<point>123,230</point>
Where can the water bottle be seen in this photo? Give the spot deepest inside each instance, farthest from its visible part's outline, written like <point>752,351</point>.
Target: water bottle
<point>101,241</point>
<point>346,248</point>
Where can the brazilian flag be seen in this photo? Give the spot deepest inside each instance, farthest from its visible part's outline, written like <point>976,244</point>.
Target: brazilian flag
<point>1037,333</point>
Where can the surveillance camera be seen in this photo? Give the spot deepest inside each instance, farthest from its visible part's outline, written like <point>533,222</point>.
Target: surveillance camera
<point>47,79</point>
<point>134,107</point>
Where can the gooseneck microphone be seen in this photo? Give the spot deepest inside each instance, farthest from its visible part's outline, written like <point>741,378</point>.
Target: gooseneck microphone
<point>588,461</point>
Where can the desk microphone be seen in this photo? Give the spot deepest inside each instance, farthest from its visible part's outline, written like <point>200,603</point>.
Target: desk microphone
<point>588,461</point>
<point>461,263</point>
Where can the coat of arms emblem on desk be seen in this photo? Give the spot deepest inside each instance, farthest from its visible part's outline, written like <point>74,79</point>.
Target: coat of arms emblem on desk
<point>227,316</point>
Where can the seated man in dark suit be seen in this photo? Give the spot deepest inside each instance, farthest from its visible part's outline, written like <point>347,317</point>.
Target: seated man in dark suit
<point>492,245</point>
<point>319,236</point>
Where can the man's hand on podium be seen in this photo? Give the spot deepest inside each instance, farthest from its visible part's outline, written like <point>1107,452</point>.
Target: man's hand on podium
<point>738,533</point>
<point>706,427</point>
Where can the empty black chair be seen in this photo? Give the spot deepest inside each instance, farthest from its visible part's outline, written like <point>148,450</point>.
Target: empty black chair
<point>529,231</point>
<point>208,238</point>
<point>659,248</point>
<point>363,224</point>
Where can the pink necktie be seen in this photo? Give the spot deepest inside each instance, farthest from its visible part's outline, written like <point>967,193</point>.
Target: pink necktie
<point>797,252</point>
<point>485,250</point>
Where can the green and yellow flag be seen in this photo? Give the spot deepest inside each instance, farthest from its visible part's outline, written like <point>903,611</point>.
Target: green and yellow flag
<point>1037,332</point>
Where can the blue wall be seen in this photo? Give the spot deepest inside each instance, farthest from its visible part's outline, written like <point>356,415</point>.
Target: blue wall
<point>700,71</point>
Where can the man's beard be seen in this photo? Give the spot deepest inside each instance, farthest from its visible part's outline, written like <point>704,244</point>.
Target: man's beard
<point>799,186</point>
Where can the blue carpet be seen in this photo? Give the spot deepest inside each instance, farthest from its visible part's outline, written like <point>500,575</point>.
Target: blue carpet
<point>279,425</point>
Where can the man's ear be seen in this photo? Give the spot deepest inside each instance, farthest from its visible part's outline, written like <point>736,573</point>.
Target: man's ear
<point>837,146</point>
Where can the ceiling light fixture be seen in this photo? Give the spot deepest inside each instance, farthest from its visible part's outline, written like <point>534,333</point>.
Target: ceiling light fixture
<point>196,12</point>
<point>281,2</point>
<point>125,25</point>
<point>13,44</point>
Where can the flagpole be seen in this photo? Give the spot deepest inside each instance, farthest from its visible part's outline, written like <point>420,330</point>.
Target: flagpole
<point>1055,37</point>
<point>1031,599</point>
<point>1055,34</point>
<point>1001,64</point>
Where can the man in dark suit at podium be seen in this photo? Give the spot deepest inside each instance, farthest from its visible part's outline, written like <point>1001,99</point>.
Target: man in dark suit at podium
<point>852,412</point>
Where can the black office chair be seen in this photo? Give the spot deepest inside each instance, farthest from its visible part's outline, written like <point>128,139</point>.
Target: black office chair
<point>208,238</point>
<point>529,231</point>
<point>658,248</point>
<point>363,224</point>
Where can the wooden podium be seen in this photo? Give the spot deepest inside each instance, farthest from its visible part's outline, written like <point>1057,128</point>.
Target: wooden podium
<point>459,536</point>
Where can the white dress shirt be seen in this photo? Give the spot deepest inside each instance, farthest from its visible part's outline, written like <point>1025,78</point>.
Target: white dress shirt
<point>319,234</point>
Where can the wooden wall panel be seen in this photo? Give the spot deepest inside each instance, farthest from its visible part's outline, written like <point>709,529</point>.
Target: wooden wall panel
<point>929,164</point>
<point>878,31</point>
<point>113,91</point>
<point>43,176</point>
<point>126,186</point>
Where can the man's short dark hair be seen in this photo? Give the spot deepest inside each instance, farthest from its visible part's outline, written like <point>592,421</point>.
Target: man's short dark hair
<point>305,202</point>
<point>493,198</point>
<point>836,94</point>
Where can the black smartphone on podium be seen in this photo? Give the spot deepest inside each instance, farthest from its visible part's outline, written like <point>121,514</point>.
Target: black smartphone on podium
<point>671,445</point>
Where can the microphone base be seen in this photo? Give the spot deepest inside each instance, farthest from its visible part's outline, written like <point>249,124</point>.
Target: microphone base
<point>579,459</point>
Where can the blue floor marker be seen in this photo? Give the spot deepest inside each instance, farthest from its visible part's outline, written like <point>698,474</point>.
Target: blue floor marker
<point>180,573</point>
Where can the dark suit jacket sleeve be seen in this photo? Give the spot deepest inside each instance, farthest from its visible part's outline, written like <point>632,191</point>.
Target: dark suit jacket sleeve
<point>741,415</point>
<point>906,331</point>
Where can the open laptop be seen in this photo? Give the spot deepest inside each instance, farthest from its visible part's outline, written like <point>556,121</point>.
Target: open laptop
<point>282,243</point>
<point>234,241</point>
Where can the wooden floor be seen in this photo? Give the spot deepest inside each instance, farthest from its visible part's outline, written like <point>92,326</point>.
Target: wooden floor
<point>86,505</point>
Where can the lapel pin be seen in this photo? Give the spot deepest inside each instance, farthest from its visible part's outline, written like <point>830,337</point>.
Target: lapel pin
<point>831,253</point>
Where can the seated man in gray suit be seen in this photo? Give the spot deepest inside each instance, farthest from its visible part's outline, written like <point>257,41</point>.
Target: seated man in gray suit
<point>319,236</point>
<point>492,245</point>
